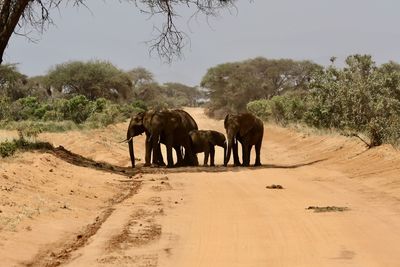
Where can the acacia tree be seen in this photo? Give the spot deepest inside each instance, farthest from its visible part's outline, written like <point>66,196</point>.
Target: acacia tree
<point>140,76</point>
<point>93,79</point>
<point>17,15</point>
<point>232,85</point>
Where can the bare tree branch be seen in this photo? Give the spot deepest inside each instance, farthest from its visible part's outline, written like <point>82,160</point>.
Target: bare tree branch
<point>18,16</point>
<point>170,40</point>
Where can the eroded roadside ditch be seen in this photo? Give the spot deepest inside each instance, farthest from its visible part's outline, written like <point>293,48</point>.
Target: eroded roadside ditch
<point>61,254</point>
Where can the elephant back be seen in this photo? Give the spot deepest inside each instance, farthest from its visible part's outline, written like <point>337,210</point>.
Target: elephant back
<point>248,122</point>
<point>242,123</point>
<point>167,119</point>
<point>188,122</point>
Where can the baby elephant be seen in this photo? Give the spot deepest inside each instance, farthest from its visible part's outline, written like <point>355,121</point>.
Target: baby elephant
<point>205,141</point>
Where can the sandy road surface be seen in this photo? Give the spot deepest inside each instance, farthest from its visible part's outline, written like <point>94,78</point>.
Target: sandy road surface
<point>79,216</point>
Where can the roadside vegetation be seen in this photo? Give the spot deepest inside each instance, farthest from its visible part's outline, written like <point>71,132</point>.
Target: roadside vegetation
<point>360,99</point>
<point>26,141</point>
<point>76,95</point>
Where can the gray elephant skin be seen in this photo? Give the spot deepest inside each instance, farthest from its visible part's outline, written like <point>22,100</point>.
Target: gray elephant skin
<point>246,129</point>
<point>205,141</point>
<point>169,127</point>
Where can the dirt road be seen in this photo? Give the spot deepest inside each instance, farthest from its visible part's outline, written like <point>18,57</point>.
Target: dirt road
<point>77,216</point>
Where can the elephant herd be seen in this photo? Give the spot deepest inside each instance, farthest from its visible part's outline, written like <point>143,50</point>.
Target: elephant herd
<point>177,130</point>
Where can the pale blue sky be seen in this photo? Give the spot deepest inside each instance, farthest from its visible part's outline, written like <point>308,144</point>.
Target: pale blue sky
<point>298,29</point>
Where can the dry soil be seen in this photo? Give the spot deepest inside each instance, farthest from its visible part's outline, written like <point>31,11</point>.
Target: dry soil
<point>65,207</point>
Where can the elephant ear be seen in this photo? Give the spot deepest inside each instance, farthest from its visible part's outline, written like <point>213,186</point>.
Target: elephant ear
<point>136,120</point>
<point>147,118</point>
<point>246,124</point>
<point>174,120</point>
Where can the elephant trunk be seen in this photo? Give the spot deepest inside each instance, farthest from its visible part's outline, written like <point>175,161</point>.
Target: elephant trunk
<point>131,152</point>
<point>230,147</point>
<point>225,154</point>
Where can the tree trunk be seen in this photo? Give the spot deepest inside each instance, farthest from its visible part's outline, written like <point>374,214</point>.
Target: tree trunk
<point>10,14</point>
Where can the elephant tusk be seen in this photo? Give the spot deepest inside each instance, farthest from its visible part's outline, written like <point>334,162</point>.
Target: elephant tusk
<point>126,140</point>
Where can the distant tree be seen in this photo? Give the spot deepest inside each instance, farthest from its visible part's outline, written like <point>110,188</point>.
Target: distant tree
<point>184,95</point>
<point>17,15</point>
<point>168,95</point>
<point>149,92</point>
<point>232,85</point>
<point>12,82</point>
<point>10,75</point>
<point>38,87</point>
<point>93,79</point>
<point>140,76</point>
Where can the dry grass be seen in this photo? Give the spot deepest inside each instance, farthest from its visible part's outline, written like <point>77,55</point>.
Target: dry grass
<point>328,209</point>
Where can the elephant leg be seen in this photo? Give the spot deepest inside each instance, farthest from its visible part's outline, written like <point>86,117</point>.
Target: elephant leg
<point>156,153</point>
<point>148,151</point>
<point>258,150</point>
<point>168,143</point>
<point>248,160</point>
<point>195,160</point>
<point>206,155</point>
<point>155,146</point>
<point>212,153</point>
<point>179,157</point>
<point>160,159</point>
<point>190,158</point>
<point>246,154</point>
<point>236,161</point>
<point>189,153</point>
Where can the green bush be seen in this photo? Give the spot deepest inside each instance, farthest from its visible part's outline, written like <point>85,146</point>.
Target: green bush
<point>53,115</point>
<point>108,116</point>
<point>24,108</point>
<point>5,108</point>
<point>261,108</point>
<point>64,114</point>
<point>78,109</point>
<point>7,149</point>
<point>282,109</point>
<point>359,98</point>
<point>132,108</point>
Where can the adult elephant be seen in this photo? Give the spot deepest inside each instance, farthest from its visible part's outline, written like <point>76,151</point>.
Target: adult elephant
<point>248,130</point>
<point>188,124</point>
<point>170,127</point>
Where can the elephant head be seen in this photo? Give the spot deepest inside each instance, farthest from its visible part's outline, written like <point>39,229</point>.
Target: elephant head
<point>219,140</point>
<point>236,126</point>
<point>135,128</point>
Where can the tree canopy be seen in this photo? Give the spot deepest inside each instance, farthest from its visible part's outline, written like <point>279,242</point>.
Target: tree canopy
<point>11,81</point>
<point>140,76</point>
<point>168,95</point>
<point>232,85</point>
<point>92,79</point>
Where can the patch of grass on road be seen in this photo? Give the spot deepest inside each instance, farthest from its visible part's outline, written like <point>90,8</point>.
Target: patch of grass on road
<point>328,209</point>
